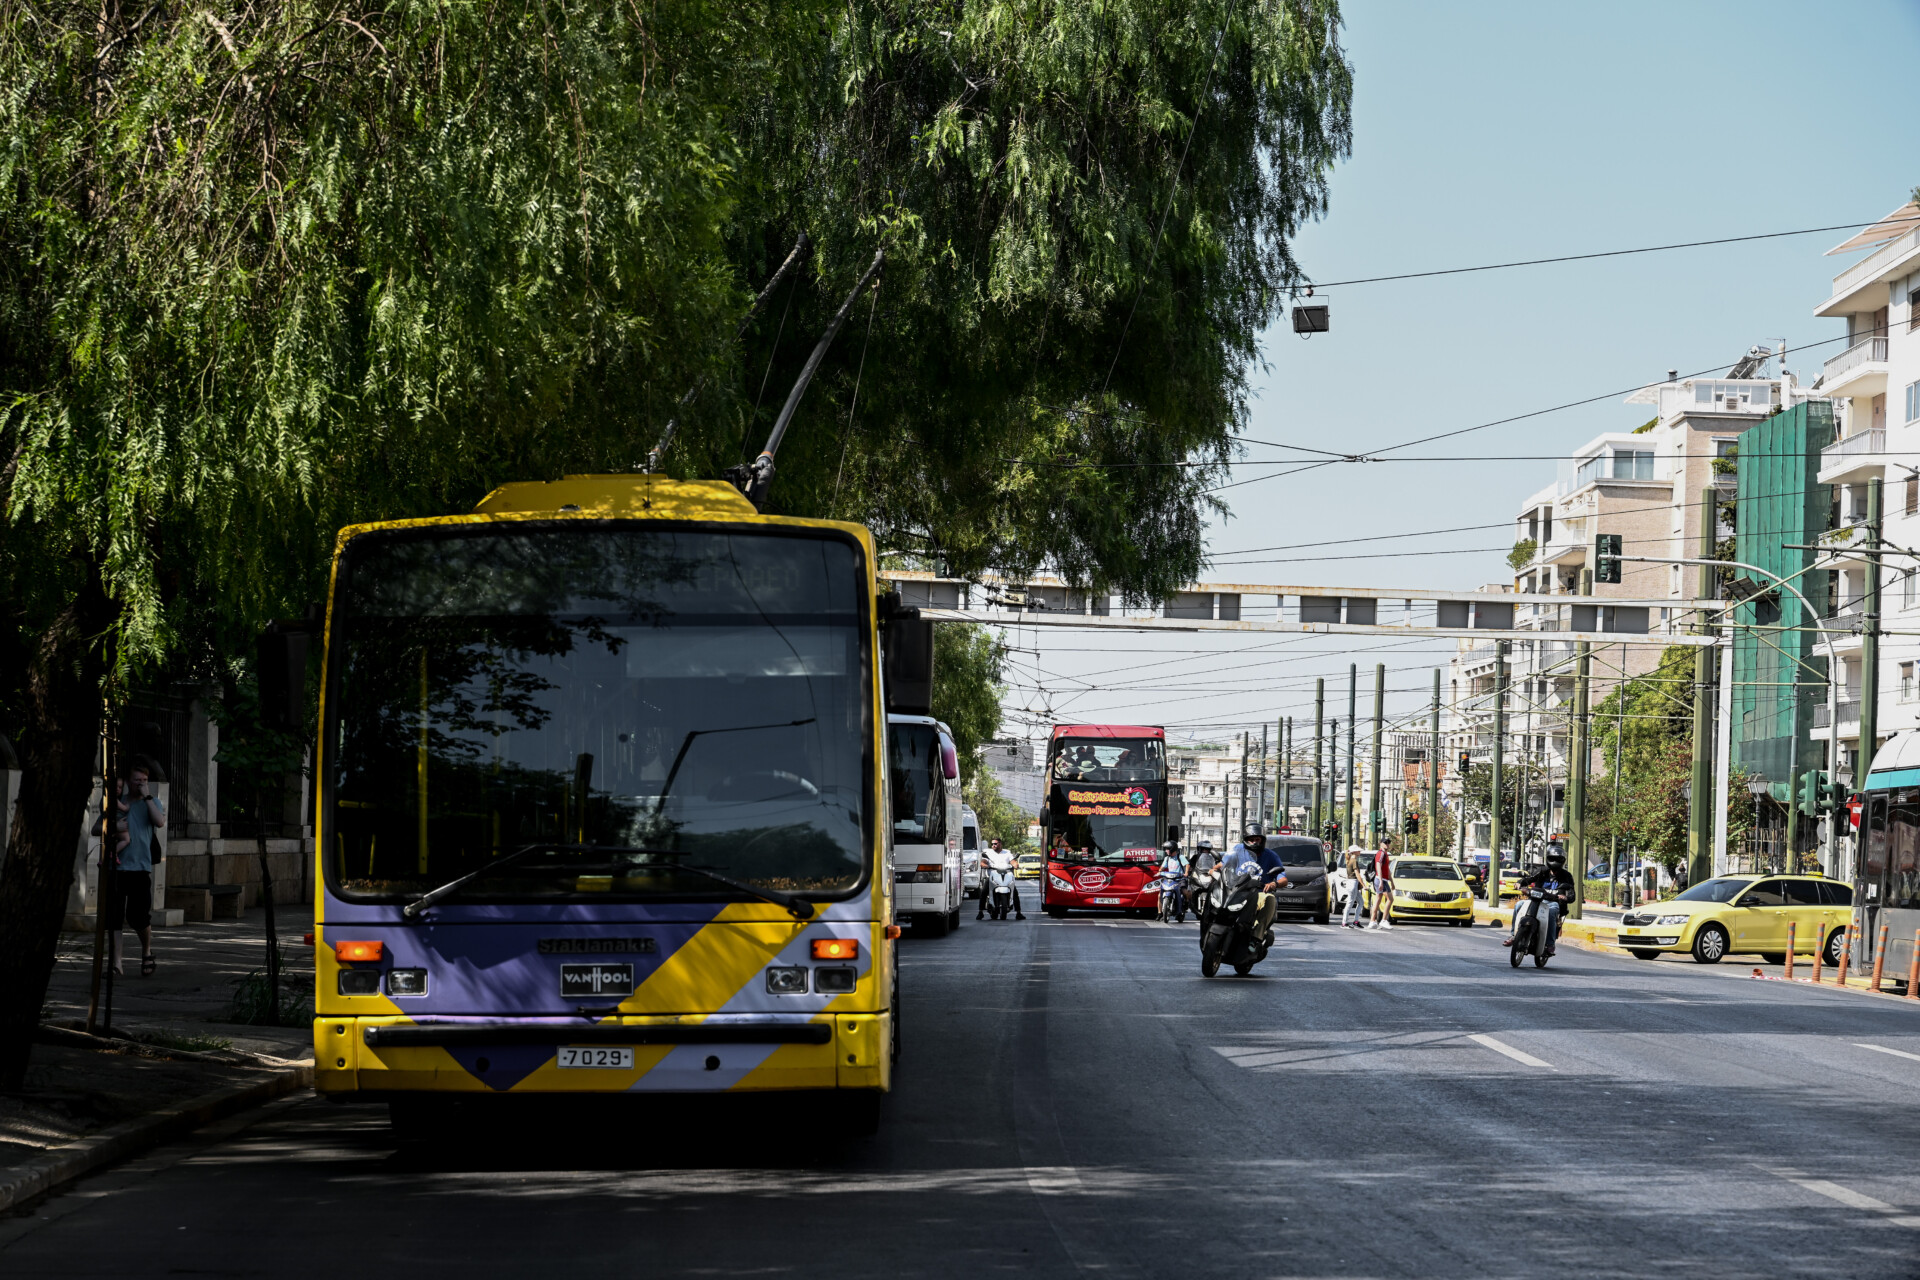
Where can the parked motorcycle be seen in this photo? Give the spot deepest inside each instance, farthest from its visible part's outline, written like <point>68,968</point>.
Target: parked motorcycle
<point>1227,922</point>
<point>1531,936</point>
<point>999,892</point>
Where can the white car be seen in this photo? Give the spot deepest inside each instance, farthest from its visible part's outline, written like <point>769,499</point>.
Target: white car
<point>969,852</point>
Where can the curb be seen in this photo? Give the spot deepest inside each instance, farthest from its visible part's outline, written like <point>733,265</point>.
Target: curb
<point>130,1137</point>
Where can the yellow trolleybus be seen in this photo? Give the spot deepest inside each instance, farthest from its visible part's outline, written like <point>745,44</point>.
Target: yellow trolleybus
<point>600,801</point>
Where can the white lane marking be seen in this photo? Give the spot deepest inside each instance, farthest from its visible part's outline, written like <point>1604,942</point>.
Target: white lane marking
<point>1894,1215</point>
<point>1510,1051</point>
<point>1898,1053</point>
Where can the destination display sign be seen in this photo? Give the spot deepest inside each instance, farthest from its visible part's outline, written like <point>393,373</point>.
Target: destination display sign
<point>1118,802</point>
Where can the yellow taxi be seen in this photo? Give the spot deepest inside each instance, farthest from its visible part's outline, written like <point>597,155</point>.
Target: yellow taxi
<point>1429,889</point>
<point>1509,881</point>
<point>1744,915</point>
<point>1028,866</point>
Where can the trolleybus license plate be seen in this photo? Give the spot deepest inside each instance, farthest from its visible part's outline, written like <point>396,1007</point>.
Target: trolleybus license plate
<point>618,1057</point>
<point>596,979</point>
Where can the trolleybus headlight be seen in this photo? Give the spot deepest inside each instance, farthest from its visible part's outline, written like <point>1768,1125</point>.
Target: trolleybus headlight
<point>835,981</point>
<point>359,982</point>
<point>787,980</point>
<point>407,982</point>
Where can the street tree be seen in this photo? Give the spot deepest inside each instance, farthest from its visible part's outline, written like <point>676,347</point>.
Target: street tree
<point>272,269</point>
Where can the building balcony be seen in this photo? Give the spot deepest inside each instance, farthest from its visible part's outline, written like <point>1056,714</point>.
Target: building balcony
<point>1854,288</point>
<point>1860,370</point>
<point>1857,458</point>
<point>1849,716</point>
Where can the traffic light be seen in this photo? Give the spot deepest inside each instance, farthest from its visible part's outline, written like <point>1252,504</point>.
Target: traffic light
<point>1466,764</point>
<point>1838,793</point>
<point>1810,792</point>
<point>1331,833</point>
<point>1819,794</point>
<point>1606,557</point>
<point>1410,823</point>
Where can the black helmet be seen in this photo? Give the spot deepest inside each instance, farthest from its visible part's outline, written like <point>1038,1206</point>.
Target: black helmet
<point>1556,857</point>
<point>1253,832</point>
<point>1204,844</point>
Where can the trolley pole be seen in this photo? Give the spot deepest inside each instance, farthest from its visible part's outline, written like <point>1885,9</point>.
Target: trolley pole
<point>1619,732</point>
<point>1433,773</point>
<point>1319,714</point>
<point>1245,743</point>
<point>1499,761</point>
<point>1577,783</point>
<point>1700,812</point>
<point>1353,716</point>
<point>1869,685</point>
<point>1283,785</point>
<point>1374,815</point>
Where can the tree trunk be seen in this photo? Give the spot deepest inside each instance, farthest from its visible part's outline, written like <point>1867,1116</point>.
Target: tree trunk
<point>60,733</point>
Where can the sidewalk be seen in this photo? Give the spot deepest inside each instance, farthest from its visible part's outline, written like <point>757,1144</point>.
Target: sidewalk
<point>176,1062</point>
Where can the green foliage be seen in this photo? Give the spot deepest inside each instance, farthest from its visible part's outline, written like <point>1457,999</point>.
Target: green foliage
<point>1515,816</point>
<point>251,1003</point>
<point>265,271</point>
<point>999,817</point>
<point>966,687</point>
<point>1522,554</point>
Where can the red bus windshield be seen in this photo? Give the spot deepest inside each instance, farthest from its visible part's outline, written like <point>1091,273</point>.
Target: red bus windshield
<point>1109,760</point>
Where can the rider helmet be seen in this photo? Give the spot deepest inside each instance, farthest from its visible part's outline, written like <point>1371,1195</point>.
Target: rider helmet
<point>1253,832</point>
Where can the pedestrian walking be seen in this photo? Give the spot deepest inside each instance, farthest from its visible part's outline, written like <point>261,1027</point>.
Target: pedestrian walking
<point>1381,871</point>
<point>1356,868</point>
<point>128,900</point>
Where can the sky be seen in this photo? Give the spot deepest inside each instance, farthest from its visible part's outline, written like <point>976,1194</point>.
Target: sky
<point>1487,133</point>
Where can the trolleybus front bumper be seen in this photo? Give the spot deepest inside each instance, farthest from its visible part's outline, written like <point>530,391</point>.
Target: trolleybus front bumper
<point>728,1052</point>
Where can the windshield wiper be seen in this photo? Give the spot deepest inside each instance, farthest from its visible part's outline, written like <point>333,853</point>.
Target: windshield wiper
<point>413,909</point>
<point>798,908</point>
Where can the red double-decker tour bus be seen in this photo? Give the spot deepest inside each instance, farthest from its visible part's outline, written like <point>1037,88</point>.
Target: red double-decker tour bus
<point>1106,819</point>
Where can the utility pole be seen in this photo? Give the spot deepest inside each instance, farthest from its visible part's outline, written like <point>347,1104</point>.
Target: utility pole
<point>1870,645</point>
<point>1433,773</point>
<point>1700,812</point>
<point>1244,743</point>
<point>1619,732</point>
<point>1319,713</point>
<point>1333,773</point>
<point>1260,805</point>
<point>1577,777</point>
<point>1353,716</point>
<point>1283,786</point>
<point>1379,713</point>
<point>1499,754</point>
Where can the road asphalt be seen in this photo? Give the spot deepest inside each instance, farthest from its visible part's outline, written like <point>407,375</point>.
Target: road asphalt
<point>1075,1097</point>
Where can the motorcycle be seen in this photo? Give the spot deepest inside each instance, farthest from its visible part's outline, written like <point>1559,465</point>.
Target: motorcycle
<point>1172,888</point>
<point>999,892</point>
<point>1531,936</point>
<point>1227,922</point>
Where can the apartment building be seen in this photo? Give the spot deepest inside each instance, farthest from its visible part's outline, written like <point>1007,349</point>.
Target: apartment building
<point>1647,486</point>
<point>1022,781</point>
<point>1873,383</point>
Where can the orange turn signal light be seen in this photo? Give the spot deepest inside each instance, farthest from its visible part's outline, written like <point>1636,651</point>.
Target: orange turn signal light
<point>357,950</point>
<point>892,931</point>
<point>835,949</point>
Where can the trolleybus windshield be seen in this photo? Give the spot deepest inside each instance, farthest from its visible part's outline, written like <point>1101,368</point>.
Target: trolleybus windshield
<point>640,699</point>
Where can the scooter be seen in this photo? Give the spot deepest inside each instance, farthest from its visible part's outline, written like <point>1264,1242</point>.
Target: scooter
<point>999,892</point>
<point>1531,936</point>
<point>1227,922</point>
<point>1172,887</point>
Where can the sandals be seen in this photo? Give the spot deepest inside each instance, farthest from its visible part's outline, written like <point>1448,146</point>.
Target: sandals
<point>146,966</point>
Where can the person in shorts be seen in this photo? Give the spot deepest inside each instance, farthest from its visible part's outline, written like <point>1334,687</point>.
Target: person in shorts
<point>129,891</point>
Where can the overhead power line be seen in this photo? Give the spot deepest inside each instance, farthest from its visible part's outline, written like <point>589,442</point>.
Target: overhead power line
<point>1609,253</point>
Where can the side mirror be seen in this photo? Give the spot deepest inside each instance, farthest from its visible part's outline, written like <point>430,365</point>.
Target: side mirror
<point>281,663</point>
<point>908,666</point>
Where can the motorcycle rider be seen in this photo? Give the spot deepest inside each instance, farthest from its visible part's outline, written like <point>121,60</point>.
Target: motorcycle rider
<point>1556,882</point>
<point>1253,849</point>
<point>1173,869</point>
<point>998,859</point>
